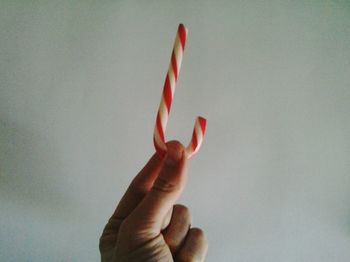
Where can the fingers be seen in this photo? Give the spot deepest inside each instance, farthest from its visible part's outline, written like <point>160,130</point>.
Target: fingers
<point>138,188</point>
<point>175,234</point>
<point>164,193</point>
<point>195,247</point>
<point>109,235</point>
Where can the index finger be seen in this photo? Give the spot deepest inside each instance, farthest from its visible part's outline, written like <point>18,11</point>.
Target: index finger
<point>136,191</point>
<point>139,187</point>
<point>150,213</point>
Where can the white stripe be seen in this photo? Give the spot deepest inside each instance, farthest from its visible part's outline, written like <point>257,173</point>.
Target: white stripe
<point>163,114</point>
<point>199,134</point>
<point>172,82</point>
<point>178,53</point>
<point>158,140</point>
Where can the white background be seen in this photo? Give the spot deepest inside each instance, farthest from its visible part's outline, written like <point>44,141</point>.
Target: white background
<point>80,83</point>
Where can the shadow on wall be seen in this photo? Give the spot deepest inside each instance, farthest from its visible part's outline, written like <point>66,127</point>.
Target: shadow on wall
<point>31,173</point>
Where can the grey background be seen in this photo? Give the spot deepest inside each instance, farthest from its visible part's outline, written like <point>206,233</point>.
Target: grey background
<point>80,83</point>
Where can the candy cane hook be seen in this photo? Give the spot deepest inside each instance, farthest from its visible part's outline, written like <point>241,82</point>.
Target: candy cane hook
<point>167,97</point>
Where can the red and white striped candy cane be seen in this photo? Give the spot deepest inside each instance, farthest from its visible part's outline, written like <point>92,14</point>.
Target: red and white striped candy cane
<point>167,97</point>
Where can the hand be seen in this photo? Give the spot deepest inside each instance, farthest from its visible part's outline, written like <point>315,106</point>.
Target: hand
<point>146,225</point>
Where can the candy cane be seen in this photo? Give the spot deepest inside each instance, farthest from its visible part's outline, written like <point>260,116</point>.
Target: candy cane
<point>167,97</point>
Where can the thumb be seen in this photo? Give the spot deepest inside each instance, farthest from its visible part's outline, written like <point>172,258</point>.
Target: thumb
<point>166,189</point>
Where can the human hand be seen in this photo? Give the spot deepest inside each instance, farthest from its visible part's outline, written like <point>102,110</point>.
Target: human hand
<point>147,225</point>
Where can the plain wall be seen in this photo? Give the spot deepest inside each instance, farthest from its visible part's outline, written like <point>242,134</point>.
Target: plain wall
<point>80,83</point>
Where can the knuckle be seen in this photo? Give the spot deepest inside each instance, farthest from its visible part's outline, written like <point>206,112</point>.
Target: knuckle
<point>138,191</point>
<point>195,246</point>
<point>182,211</point>
<point>112,226</point>
<point>198,234</point>
<point>107,242</point>
<point>187,257</point>
<point>136,187</point>
<point>101,243</point>
<point>163,185</point>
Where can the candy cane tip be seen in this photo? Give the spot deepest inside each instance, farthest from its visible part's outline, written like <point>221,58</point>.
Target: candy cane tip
<point>182,26</point>
<point>203,123</point>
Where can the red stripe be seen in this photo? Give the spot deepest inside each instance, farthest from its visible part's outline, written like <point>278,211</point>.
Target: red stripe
<point>167,93</point>
<point>182,35</point>
<point>174,64</point>
<point>203,123</point>
<point>194,140</point>
<point>158,148</point>
<point>159,128</point>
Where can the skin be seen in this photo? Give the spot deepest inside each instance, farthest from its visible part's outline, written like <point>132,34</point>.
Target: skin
<point>147,225</point>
